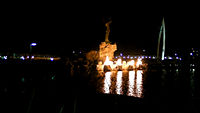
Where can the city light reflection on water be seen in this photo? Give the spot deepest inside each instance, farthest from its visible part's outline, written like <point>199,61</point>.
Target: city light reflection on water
<point>128,83</point>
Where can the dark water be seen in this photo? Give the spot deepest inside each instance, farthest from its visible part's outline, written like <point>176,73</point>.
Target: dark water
<point>155,90</point>
<point>28,87</point>
<point>162,90</point>
<point>49,87</point>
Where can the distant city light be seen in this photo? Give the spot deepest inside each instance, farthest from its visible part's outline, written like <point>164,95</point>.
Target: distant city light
<point>33,44</point>
<point>192,65</point>
<point>131,57</point>
<point>175,54</point>
<point>192,69</point>
<point>22,80</point>
<point>191,54</point>
<point>5,57</point>
<point>51,59</point>
<point>121,54</point>
<point>53,77</point>
<point>154,57</point>
<point>22,57</point>
<point>73,52</point>
<point>142,57</point>
<point>170,58</point>
<point>177,57</point>
<point>32,57</point>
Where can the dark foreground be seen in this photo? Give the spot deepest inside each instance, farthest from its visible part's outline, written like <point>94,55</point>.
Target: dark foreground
<point>49,87</point>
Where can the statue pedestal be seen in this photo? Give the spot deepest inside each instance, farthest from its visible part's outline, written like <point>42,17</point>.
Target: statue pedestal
<point>107,49</point>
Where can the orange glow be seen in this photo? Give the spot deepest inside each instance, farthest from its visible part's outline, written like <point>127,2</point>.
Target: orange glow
<point>124,65</point>
<point>100,63</point>
<point>100,66</point>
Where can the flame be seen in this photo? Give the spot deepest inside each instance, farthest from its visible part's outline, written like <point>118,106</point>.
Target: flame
<point>119,62</point>
<point>125,65</point>
<point>139,62</point>
<point>107,61</point>
<point>131,63</point>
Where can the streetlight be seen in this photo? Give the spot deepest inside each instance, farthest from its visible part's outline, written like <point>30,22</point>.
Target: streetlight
<point>31,45</point>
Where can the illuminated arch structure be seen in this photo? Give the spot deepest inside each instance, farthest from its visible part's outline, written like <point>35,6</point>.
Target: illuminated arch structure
<point>162,31</point>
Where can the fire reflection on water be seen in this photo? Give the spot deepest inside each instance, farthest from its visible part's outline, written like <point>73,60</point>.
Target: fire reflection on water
<point>119,83</point>
<point>139,84</point>
<point>107,82</point>
<point>130,84</point>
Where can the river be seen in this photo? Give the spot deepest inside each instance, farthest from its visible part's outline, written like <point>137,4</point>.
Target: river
<point>48,87</point>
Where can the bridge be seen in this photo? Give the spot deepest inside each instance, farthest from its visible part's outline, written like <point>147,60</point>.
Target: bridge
<point>162,31</point>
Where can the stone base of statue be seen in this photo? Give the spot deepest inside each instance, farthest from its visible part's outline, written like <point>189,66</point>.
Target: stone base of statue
<point>107,49</point>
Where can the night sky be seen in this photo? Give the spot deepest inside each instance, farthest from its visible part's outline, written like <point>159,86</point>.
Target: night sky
<point>59,30</point>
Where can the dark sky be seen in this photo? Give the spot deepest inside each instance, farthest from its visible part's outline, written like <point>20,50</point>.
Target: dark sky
<point>61,30</point>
